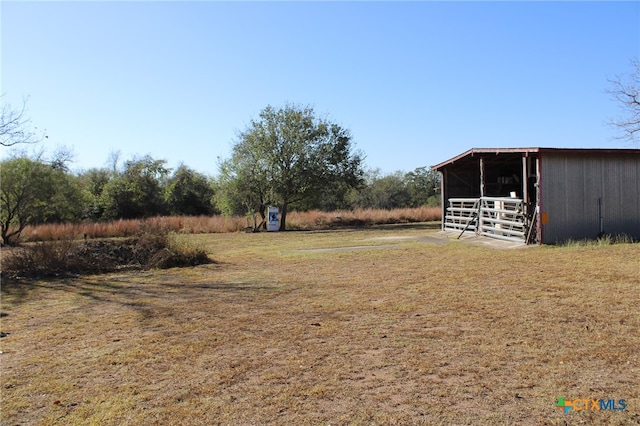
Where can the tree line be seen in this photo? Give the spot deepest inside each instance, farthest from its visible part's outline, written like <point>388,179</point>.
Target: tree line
<point>289,157</point>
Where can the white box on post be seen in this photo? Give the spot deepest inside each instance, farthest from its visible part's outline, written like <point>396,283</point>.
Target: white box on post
<point>273,223</point>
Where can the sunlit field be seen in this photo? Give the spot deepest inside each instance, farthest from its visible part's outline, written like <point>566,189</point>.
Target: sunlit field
<point>393,324</point>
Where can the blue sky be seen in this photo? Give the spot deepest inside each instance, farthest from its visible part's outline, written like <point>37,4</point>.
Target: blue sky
<point>415,82</point>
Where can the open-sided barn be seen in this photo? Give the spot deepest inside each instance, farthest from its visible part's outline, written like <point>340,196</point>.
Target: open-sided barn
<point>543,195</point>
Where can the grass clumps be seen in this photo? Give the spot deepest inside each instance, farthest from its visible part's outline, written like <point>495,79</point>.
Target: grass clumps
<point>601,241</point>
<point>148,249</point>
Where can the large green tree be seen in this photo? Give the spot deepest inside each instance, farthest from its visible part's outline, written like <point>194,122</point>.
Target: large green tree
<point>93,182</point>
<point>422,185</point>
<point>291,157</point>
<point>189,193</point>
<point>33,191</point>
<point>137,191</point>
<point>383,191</point>
<point>398,190</point>
<point>243,187</point>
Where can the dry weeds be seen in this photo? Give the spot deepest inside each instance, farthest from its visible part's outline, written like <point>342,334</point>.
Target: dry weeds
<point>421,334</point>
<point>309,220</point>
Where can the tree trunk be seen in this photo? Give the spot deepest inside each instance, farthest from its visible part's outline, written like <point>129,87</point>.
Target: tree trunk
<point>283,217</point>
<point>263,217</point>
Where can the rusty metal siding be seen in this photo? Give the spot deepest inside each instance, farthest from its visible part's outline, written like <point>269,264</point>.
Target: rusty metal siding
<point>581,190</point>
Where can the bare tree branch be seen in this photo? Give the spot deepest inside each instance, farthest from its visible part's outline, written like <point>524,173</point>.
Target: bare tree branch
<point>14,126</point>
<point>626,92</point>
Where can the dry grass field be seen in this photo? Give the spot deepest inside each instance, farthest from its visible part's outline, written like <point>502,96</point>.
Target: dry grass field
<point>390,328</point>
<point>307,220</point>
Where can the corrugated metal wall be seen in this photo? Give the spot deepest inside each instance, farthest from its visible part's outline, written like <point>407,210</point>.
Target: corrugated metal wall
<point>579,188</point>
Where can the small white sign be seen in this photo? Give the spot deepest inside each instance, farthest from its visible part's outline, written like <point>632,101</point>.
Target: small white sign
<point>273,222</point>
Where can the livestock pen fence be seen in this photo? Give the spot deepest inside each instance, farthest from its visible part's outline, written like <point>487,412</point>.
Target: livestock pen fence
<point>496,217</point>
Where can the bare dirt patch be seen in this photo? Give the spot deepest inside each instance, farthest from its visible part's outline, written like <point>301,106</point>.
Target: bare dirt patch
<point>421,334</point>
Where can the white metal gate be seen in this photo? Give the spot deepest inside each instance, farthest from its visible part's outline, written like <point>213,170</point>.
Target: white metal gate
<point>502,218</point>
<point>462,214</point>
<point>496,217</point>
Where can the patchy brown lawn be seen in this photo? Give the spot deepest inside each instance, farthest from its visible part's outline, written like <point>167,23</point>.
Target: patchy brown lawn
<point>424,333</point>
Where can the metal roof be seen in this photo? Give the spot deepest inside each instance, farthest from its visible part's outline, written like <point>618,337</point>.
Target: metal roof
<point>497,151</point>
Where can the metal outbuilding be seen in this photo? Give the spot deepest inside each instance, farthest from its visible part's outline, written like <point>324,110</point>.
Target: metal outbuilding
<point>543,195</point>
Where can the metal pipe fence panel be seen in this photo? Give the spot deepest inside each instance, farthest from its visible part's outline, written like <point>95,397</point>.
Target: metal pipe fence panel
<point>461,214</point>
<point>503,218</point>
<point>496,217</point>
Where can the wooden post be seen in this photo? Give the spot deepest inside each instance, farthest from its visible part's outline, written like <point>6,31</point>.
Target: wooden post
<point>525,184</point>
<point>443,196</point>
<point>481,177</point>
<point>538,199</point>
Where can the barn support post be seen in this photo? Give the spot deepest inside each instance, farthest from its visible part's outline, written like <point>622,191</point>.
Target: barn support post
<point>525,181</point>
<point>538,202</point>
<point>444,196</point>
<point>481,177</point>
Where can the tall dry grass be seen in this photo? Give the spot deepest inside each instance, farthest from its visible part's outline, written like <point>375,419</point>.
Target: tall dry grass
<point>311,220</point>
<point>360,217</point>
<point>129,227</point>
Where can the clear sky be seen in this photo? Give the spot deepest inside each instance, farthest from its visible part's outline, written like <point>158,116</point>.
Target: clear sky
<point>415,82</point>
